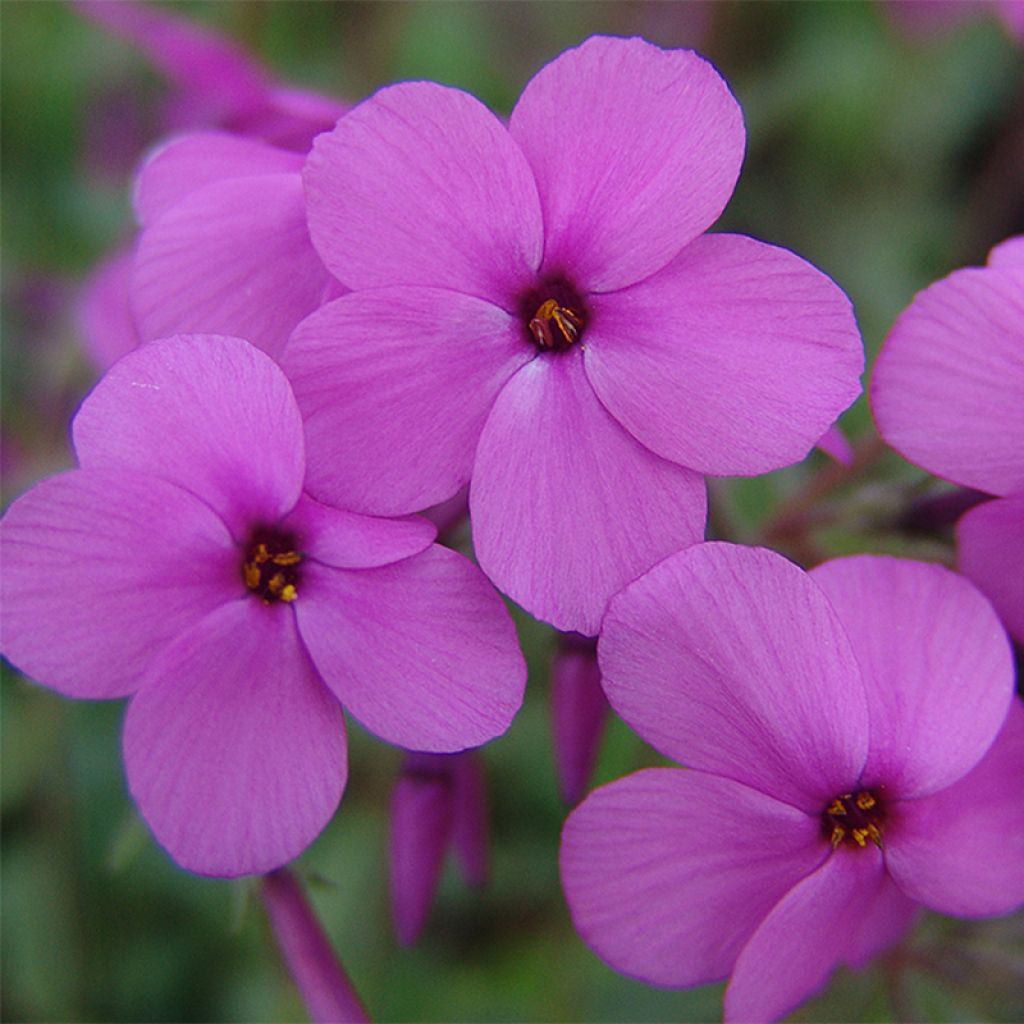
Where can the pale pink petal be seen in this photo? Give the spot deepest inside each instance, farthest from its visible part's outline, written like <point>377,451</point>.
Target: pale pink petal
<point>105,316</point>
<point>103,569</point>
<point>731,660</point>
<point>990,552</point>
<point>936,665</point>
<point>433,178</point>
<point>470,825</point>
<point>948,387</point>
<point>213,415</point>
<point>1011,252</point>
<point>185,164</point>
<point>233,257</point>
<point>422,652</point>
<point>394,385</point>
<point>636,151</point>
<point>888,917</point>
<point>234,748</point>
<point>735,359</point>
<point>668,873</point>
<point>961,851</point>
<point>835,444</point>
<point>793,952</point>
<point>421,819</point>
<point>566,506</point>
<point>348,540</point>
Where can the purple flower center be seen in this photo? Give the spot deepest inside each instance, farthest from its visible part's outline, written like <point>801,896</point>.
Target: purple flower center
<point>854,818</point>
<point>271,565</point>
<point>554,316</point>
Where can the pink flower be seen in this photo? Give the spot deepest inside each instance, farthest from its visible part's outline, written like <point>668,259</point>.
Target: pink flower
<point>538,309</point>
<point>184,565</point>
<point>855,750</point>
<point>948,394</point>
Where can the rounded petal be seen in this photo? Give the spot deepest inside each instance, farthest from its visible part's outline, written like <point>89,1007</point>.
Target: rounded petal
<point>731,660</point>
<point>566,507</point>
<point>100,571</point>
<point>948,387</point>
<point>234,748</point>
<point>937,669</point>
<point>433,178</point>
<point>348,540</point>
<point>961,851</point>
<point>213,415</point>
<point>793,952</point>
<point>735,359</point>
<point>186,164</point>
<point>636,150</point>
<point>990,549</point>
<point>1008,254</point>
<point>668,873</point>
<point>107,324</point>
<point>394,385</point>
<point>422,652</point>
<point>233,257</point>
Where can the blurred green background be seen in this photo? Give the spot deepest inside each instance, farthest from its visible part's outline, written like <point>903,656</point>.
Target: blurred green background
<point>884,146</point>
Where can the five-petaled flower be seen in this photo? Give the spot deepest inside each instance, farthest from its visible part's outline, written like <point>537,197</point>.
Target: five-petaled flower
<point>854,750</point>
<point>184,565</point>
<point>537,308</point>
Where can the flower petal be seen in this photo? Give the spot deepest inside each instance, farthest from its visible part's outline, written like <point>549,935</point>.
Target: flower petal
<point>1008,254</point>
<point>105,316</point>
<point>394,385</point>
<point>731,660</point>
<point>579,713</point>
<point>434,179</point>
<point>422,652</point>
<point>668,873</point>
<point>790,957</point>
<point>961,851</point>
<point>937,669</point>
<point>566,507</point>
<point>213,415</point>
<point>234,748</point>
<point>636,150</point>
<point>735,359</point>
<point>887,918</point>
<point>101,570</point>
<point>948,386</point>
<point>470,824</point>
<point>990,548</point>
<point>348,540</point>
<point>185,164</point>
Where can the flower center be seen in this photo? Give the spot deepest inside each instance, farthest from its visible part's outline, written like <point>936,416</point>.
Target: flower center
<point>853,819</point>
<point>554,316</point>
<point>271,565</point>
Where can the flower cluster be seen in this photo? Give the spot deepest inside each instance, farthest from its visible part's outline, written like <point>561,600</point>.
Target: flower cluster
<point>333,320</point>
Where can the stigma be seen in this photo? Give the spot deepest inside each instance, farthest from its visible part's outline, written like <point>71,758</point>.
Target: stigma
<point>270,567</point>
<point>555,327</point>
<point>854,819</point>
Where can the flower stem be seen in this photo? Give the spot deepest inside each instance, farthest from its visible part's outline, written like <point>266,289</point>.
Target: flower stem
<point>314,966</point>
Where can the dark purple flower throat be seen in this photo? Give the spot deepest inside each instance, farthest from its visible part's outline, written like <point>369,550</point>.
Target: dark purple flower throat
<point>271,565</point>
<point>554,316</point>
<point>853,819</point>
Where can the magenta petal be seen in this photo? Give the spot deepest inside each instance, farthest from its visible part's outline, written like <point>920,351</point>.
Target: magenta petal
<point>470,825</point>
<point>233,257</point>
<point>348,540</point>
<point>835,444</point>
<point>105,315</point>
<point>213,415</point>
<point>990,546</point>
<point>434,179</point>
<point>731,660</point>
<point>234,748</point>
<point>887,918</point>
<point>961,851</point>
<point>186,164</point>
<point>101,570</point>
<point>566,507</point>
<point>735,359</point>
<point>421,818</point>
<point>394,386</point>
<point>636,151</point>
<point>937,669</point>
<point>1011,252</point>
<point>667,873</point>
<point>948,387</point>
<point>422,652</point>
<point>793,952</point>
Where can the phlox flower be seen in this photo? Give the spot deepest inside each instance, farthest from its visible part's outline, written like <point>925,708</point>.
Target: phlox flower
<point>537,310</point>
<point>184,565</point>
<point>948,394</point>
<point>854,749</point>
